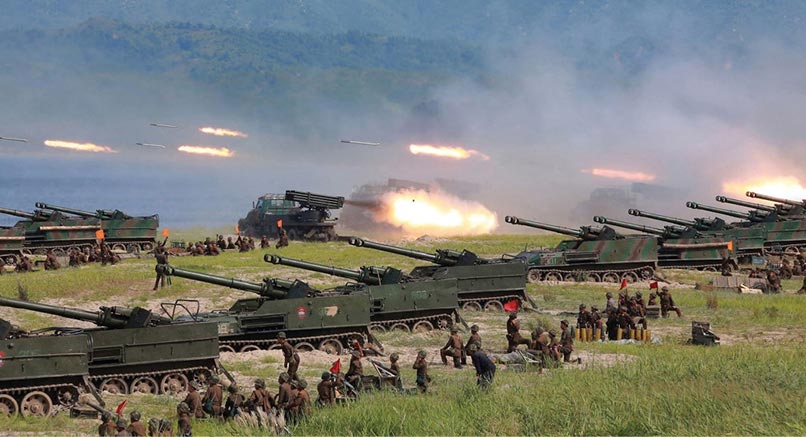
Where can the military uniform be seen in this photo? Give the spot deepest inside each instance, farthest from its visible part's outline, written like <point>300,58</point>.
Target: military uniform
<point>161,255</point>
<point>421,365</point>
<point>283,240</point>
<point>215,393</point>
<point>193,401</point>
<point>773,282</point>
<point>453,348</point>
<point>264,242</point>
<point>261,399</point>
<point>291,359</point>
<point>667,303</point>
<point>485,368</point>
<point>513,333</point>
<point>356,370</point>
<point>235,402</point>
<point>566,342</point>
<point>326,390</point>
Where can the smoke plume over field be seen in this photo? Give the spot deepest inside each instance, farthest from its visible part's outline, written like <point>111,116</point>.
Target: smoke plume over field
<point>660,97</point>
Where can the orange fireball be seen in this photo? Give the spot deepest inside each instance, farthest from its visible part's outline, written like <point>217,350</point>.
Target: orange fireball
<point>219,152</point>
<point>420,212</point>
<point>787,187</point>
<point>445,151</point>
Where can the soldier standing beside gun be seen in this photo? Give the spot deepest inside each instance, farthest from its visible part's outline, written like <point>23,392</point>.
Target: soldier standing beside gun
<point>453,348</point>
<point>290,356</point>
<point>514,338</point>
<point>161,255</point>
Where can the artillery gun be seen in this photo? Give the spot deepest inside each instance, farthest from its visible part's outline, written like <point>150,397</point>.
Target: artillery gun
<point>121,231</point>
<point>41,372</point>
<point>762,234</point>
<point>597,254</point>
<point>683,247</point>
<point>700,224</point>
<point>482,283</point>
<point>304,216</point>
<point>397,301</point>
<point>43,230</point>
<point>784,207</point>
<point>134,350</point>
<point>11,244</point>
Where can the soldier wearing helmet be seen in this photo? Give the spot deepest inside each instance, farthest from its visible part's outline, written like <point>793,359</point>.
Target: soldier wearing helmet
<point>107,426</point>
<point>136,427</point>
<point>667,303</point>
<point>214,397</point>
<point>290,356</point>
<point>566,341</point>
<point>514,338</point>
<point>261,399</point>
<point>421,365</point>
<point>193,400</point>
<point>235,402</point>
<point>326,390</point>
<point>356,370</point>
<point>285,394</point>
<point>185,427</point>
<point>453,348</point>
<point>475,338</point>
<point>584,317</point>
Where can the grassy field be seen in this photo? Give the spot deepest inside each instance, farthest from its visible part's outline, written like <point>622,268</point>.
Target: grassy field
<point>755,383</point>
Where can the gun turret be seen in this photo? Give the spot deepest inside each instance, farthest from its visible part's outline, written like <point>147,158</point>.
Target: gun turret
<point>633,226</point>
<point>35,216</point>
<point>584,233</point>
<point>77,212</point>
<point>110,317</point>
<point>780,200</point>
<point>270,288</point>
<point>369,275</point>
<point>728,212</point>
<point>699,224</point>
<point>751,205</point>
<point>443,257</point>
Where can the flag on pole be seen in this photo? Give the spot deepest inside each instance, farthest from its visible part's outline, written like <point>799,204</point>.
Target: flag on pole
<point>653,284</point>
<point>166,232</point>
<point>119,409</point>
<point>511,306</point>
<point>279,223</point>
<point>99,234</point>
<point>336,367</point>
<point>730,245</point>
<point>237,230</point>
<point>623,284</point>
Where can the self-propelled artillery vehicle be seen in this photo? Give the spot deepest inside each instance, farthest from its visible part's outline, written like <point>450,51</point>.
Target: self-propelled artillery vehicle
<point>40,371</point>
<point>684,247</point>
<point>43,230</point>
<point>303,215</point>
<point>329,323</point>
<point>135,350</point>
<point>398,302</point>
<point>11,243</point>
<point>121,231</point>
<point>597,254</point>
<point>391,307</point>
<point>482,283</point>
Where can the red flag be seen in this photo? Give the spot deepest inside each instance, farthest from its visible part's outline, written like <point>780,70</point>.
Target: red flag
<point>279,223</point>
<point>511,306</point>
<point>336,367</point>
<point>653,284</point>
<point>623,284</point>
<point>99,234</point>
<point>166,232</point>
<point>358,346</point>
<point>237,230</point>
<point>119,409</point>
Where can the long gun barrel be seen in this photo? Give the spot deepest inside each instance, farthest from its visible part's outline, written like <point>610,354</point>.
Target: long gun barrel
<point>755,195</point>
<point>273,288</point>
<point>663,218</point>
<point>728,212</point>
<point>558,229</point>
<point>110,317</point>
<point>751,205</point>
<point>444,257</point>
<point>633,226</point>
<point>366,275</point>
<point>77,212</point>
<point>38,215</point>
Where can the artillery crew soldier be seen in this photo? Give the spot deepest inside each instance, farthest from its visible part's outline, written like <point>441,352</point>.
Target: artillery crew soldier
<point>283,241</point>
<point>120,427</point>
<point>421,365</point>
<point>566,341</point>
<point>214,395</point>
<point>667,303</point>
<point>284,394</point>
<point>475,338</point>
<point>107,426</point>
<point>326,390</point>
<point>485,368</point>
<point>51,263</point>
<point>235,402</point>
<point>513,333</point>
<point>264,242</point>
<point>136,427</point>
<point>193,400</point>
<point>261,399</point>
<point>290,356</point>
<point>356,370</point>
<point>611,303</point>
<point>161,255</point>
<point>453,348</point>
<point>301,405</point>
<point>773,283</point>
<point>185,425</point>
<point>583,318</point>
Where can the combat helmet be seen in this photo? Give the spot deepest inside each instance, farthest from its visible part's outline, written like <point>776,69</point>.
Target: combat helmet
<point>260,383</point>
<point>135,416</point>
<point>325,376</point>
<point>474,328</point>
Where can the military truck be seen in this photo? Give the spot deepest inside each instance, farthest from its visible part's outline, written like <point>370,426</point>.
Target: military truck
<point>304,216</point>
<point>597,254</point>
<point>41,371</point>
<point>482,283</point>
<point>391,306</point>
<point>121,231</point>
<point>135,350</point>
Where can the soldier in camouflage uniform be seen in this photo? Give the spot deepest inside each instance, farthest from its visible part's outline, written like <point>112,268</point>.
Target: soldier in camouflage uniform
<point>566,341</point>
<point>667,303</point>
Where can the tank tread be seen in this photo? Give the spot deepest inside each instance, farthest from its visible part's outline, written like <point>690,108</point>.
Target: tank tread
<point>137,374</point>
<point>27,388</point>
<point>294,340</point>
<point>509,296</point>
<point>564,272</point>
<point>412,320</point>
